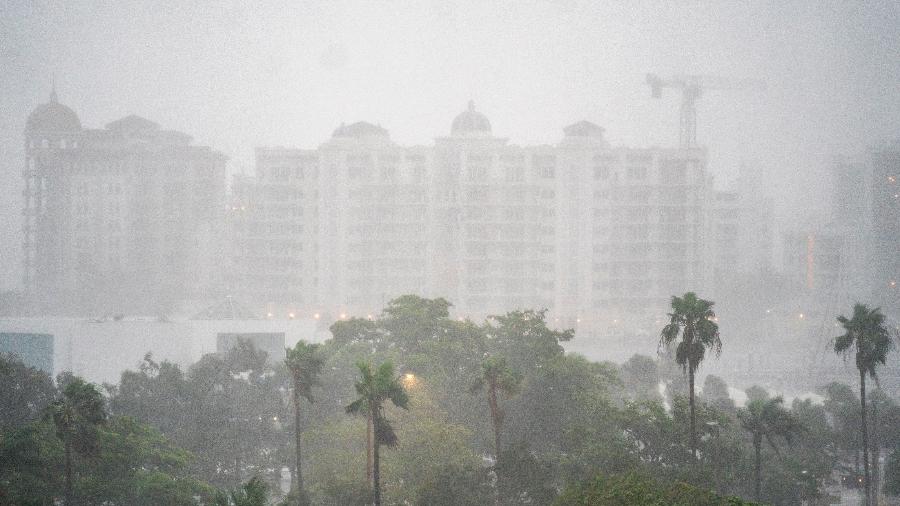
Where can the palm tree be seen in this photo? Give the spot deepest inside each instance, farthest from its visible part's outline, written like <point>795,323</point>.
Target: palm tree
<point>867,333</point>
<point>374,388</point>
<point>497,378</point>
<point>305,365</point>
<point>766,418</point>
<point>693,319</point>
<point>76,414</point>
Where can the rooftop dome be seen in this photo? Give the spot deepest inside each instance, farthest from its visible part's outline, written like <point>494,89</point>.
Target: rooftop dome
<point>359,130</point>
<point>471,122</point>
<point>53,117</point>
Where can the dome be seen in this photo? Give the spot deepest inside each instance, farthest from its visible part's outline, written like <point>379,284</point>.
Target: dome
<point>53,117</point>
<point>471,122</point>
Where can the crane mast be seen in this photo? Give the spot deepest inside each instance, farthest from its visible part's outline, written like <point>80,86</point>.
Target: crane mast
<point>692,87</point>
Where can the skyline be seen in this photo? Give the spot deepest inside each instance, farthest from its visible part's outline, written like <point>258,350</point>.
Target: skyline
<point>281,74</point>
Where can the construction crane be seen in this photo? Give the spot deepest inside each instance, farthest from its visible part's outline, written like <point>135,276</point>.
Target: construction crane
<point>692,88</point>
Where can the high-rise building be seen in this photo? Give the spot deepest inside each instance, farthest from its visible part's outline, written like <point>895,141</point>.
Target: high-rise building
<point>127,218</point>
<point>593,233</point>
<point>886,227</point>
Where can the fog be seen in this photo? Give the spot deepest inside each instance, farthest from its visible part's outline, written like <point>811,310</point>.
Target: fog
<point>334,172</point>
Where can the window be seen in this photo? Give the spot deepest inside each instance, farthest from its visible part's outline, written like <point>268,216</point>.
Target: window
<point>477,172</point>
<point>601,172</point>
<point>637,172</point>
<point>515,174</point>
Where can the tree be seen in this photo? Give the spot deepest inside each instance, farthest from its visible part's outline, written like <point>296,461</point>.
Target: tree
<point>639,490</point>
<point>692,319</point>
<point>374,388</point>
<point>252,493</point>
<point>866,334</point>
<point>497,378</point>
<point>766,419</point>
<point>305,365</point>
<point>25,394</point>
<point>77,414</point>
<point>641,377</point>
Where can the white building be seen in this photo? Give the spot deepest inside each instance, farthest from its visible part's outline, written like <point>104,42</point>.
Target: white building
<point>125,219</point>
<point>597,235</point>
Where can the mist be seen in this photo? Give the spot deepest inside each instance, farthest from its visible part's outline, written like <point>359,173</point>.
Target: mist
<point>522,189</point>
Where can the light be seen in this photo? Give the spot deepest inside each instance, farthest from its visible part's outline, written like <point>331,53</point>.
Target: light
<point>892,179</point>
<point>893,283</point>
<point>409,380</point>
<point>801,316</point>
<point>269,315</point>
<point>343,316</point>
<point>274,418</point>
<point>316,316</point>
<point>577,320</point>
<point>369,316</point>
<point>768,311</point>
<point>291,316</point>
<point>615,321</point>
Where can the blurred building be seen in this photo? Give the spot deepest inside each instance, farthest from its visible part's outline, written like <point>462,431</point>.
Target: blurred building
<point>34,350</point>
<point>886,227</point>
<point>124,219</point>
<point>591,232</point>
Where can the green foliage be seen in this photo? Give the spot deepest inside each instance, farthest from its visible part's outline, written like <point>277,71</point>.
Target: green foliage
<point>305,365</point>
<point>252,493</point>
<point>691,319</point>
<point>892,473</point>
<point>25,392</point>
<point>454,485</point>
<point>867,333</point>
<point>640,375</point>
<point>640,490</point>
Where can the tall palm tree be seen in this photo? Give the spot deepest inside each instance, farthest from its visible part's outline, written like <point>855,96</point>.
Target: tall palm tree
<point>694,320</point>
<point>497,378</point>
<point>866,334</point>
<point>76,414</point>
<point>766,419</point>
<point>374,388</point>
<point>305,365</point>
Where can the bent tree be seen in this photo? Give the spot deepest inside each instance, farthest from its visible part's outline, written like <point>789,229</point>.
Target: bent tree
<point>305,365</point>
<point>375,387</point>
<point>691,324</point>
<point>865,333</point>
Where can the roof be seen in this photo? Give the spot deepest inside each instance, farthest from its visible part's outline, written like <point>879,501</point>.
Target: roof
<point>583,129</point>
<point>470,122</point>
<point>53,117</point>
<point>132,123</point>
<point>360,129</point>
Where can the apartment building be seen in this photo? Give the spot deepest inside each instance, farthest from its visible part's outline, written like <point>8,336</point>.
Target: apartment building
<point>593,233</point>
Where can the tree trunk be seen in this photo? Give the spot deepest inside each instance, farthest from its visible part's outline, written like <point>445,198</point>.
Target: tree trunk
<point>876,453</point>
<point>496,422</point>
<point>370,450</point>
<point>299,473</point>
<point>495,419</point>
<point>693,416</point>
<point>68,491</point>
<point>237,470</point>
<point>376,474</point>
<point>865,437</point>
<point>757,479</point>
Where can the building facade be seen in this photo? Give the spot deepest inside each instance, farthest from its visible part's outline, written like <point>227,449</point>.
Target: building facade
<point>593,233</point>
<point>124,219</point>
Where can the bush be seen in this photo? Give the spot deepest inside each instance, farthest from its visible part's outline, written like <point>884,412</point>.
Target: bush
<point>639,490</point>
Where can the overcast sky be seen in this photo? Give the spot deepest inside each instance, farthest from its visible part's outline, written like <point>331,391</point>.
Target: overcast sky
<point>236,75</point>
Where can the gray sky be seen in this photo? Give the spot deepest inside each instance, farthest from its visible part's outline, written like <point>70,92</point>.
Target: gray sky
<point>236,75</point>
